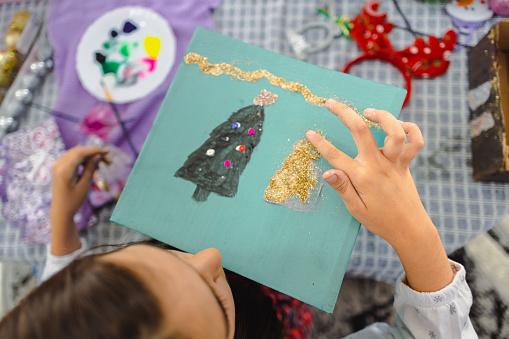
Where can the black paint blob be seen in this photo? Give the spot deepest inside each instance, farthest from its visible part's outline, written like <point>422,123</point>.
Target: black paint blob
<point>100,58</point>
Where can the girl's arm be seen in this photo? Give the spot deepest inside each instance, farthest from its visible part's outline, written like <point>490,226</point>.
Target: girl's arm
<point>70,186</point>
<point>378,190</point>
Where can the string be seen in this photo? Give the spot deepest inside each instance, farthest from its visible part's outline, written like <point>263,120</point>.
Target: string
<point>74,119</point>
<point>345,22</point>
<point>120,121</point>
<point>407,23</point>
<point>412,31</point>
<point>63,115</point>
<point>58,114</point>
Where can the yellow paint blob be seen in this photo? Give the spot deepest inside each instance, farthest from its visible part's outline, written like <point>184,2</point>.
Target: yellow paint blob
<point>152,46</point>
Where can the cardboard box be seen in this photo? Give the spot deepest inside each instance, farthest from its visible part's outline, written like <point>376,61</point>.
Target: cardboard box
<point>488,99</point>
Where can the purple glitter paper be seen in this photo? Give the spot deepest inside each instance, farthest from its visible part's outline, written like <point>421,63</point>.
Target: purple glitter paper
<point>26,160</point>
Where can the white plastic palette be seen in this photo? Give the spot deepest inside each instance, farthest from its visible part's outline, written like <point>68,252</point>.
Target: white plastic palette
<point>130,49</point>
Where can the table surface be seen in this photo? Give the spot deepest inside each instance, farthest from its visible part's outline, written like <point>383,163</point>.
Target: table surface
<point>460,208</point>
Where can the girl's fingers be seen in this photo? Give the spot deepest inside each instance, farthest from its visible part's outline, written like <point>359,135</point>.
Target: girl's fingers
<point>362,135</point>
<point>341,183</point>
<point>65,167</point>
<point>334,157</point>
<point>89,168</point>
<point>78,154</point>
<point>414,144</point>
<point>396,136</point>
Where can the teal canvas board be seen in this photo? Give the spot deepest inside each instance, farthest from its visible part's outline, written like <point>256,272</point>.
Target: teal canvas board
<point>302,254</point>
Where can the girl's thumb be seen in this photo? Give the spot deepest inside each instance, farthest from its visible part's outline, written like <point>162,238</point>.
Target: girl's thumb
<point>338,180</point>
<point>341,183</point>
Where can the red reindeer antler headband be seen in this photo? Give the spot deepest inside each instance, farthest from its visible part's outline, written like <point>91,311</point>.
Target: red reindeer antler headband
<point>422,59</point>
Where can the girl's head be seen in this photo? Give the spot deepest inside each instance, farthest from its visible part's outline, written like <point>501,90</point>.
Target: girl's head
<point>142,291</point>
<point>190,289</point>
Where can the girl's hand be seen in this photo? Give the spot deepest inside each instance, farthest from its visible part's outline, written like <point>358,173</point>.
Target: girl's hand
<point>376,187</point>
<point>378,190</point>
<point>69,186</point>
<point>72,177</point>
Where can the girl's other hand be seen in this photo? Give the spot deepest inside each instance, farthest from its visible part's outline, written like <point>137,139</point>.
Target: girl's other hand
<point>72,177</point>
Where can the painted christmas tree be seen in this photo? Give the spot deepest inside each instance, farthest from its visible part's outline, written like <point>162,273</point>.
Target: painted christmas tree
<point>216,165</point>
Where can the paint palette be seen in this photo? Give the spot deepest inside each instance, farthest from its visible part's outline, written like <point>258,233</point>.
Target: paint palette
<point>130,50</point>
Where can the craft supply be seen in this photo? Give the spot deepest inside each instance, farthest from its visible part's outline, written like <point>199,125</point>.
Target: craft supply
<point>311,249</point>
<point>8,63</point>
<point>298,182</point>
<point>265,98</point>
<point>26,159</point>
<point>21,89</point>
<point>370,32</point>
<point>500,7</point>
<point>11,39</point>
<point>109,98</point>
<point>54,113</point>
<point>303,47</point>
<point>488,83</point>
<point>23,95</point>
<point>13,55</point>
<point>203,170</point>
<point>101,121</point>
<point>467,16</point>
<point>342,22</point>
<point>237,74</point>
<point>134,44</point>
<point>20,20</point>
<point>75,100</point>
<point>111,174</point>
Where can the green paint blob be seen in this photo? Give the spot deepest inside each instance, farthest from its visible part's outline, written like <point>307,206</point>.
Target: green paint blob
<point>124,50</point>
<point>106,45</point>
<point>110,67</point>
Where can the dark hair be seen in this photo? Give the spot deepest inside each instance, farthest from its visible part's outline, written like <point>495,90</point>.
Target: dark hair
<point>89,298</point>
<point>93,298</point>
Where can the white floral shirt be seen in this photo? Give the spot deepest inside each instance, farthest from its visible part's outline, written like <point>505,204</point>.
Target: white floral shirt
<point>437,315</point>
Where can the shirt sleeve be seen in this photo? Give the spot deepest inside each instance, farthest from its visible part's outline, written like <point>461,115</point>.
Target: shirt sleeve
<point>434,315</point>
<point>55,263</point>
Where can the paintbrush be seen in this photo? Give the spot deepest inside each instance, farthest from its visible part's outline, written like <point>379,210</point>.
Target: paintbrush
<point>109,98</point>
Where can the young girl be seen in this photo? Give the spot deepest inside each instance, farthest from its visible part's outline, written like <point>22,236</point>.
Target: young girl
<point>143,291</point>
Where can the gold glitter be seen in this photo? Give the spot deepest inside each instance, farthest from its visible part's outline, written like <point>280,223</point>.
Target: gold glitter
<point>296,176</point>
<point>238,74</point>
<point>491,36</point>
